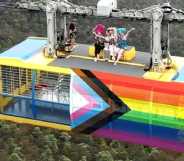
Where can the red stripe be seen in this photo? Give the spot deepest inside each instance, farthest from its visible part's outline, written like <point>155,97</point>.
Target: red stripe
<point>140,83</point>
<point>138,88</point>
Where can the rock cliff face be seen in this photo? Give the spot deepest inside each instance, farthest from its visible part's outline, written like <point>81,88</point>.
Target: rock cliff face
<point>16,25</point>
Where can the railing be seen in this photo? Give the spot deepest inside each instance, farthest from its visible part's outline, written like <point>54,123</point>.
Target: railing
<point>34,84</point>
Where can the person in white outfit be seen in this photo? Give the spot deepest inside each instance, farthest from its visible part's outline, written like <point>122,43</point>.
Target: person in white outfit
<point>112,42</point>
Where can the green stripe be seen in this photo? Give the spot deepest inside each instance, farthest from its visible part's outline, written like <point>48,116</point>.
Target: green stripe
<point>153,119</point>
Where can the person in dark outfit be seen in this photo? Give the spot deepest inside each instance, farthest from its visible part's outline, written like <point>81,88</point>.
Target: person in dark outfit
<point>72,31</point>
<point>71,37</point>
<point>98,31</point>
<point>99,46</point>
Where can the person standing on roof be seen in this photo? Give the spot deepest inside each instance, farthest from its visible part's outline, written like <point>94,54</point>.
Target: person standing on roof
<point>122,42</point>
<point>99,31</point>
<point>71,37</point>
<point>72,31</point>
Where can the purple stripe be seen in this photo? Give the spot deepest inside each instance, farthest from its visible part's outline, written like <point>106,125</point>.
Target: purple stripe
<point>139,139</point>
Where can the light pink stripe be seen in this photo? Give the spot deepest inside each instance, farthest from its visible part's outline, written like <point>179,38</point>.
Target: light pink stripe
<point>86,108</point>
<point>83,93</point>
<point>75,115</point>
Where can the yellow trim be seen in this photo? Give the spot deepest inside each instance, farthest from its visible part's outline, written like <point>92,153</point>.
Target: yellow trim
<point>91,58</point>
<point>1,86</point>
<point>4,101</point>
<point>39,38</point>
<point>39,58</point>
<point>166,75</point>
<point>34,122</point>
<point>27,65</point>
<point>155,108</point>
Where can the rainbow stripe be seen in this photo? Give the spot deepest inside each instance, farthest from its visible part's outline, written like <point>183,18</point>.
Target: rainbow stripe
<point>157,112</point>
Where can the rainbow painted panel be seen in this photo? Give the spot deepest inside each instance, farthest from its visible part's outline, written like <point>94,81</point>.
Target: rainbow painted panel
<point>141,138</point>
<point>147,129</point>
<point>157,112</point>
<point>85,103</point>
<point>169,93</point>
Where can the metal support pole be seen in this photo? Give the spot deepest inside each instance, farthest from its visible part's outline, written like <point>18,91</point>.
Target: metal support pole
<point>157,23</point>
<point>168,38</point>
<point>65,29</point>
<point>169,59</point>
<point>51,28</point>
<point>151,36</point>
<point>33,93</point>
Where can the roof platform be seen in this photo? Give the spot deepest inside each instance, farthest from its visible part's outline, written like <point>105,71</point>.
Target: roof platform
<point>87,64</point>
<point>79,58</point>
<point>29,54</point>
<point>83,50</point>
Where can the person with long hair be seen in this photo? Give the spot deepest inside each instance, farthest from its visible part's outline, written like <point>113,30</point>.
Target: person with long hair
<point>122,43</point>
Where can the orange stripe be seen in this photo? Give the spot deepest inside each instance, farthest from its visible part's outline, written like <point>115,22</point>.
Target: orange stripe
<point>146,95</point>
<point>138,88</point>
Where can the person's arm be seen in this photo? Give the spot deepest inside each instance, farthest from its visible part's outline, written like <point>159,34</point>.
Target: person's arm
<point>100,36</point>
<point>128,32</point>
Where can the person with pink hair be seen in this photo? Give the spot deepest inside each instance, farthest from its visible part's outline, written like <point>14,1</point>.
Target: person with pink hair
<point>99,32</point>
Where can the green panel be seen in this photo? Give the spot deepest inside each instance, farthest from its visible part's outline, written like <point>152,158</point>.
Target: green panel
<point>154,119</point>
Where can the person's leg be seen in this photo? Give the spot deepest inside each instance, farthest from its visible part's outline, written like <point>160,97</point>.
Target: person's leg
<point>106,54</point>
<point>112,52</point>
<point>101,49</point>
<point>119,55</point>
<point>97,52</point>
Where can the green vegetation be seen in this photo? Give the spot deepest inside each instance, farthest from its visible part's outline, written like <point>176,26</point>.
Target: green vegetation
<point>27,143</point>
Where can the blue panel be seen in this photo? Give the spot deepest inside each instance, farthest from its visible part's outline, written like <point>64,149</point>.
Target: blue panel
<point>180,76</point>
<point>25,49</point>
<point>163,133</point>
<point>45,111</point>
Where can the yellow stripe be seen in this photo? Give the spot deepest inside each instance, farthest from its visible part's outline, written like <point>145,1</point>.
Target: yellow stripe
<point>21,64</point>
<point>34,122</point>
<point>155,108</point>
<point>120,62</point>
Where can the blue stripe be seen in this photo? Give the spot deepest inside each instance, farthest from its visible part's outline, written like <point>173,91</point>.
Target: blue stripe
<point>149,130</point>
